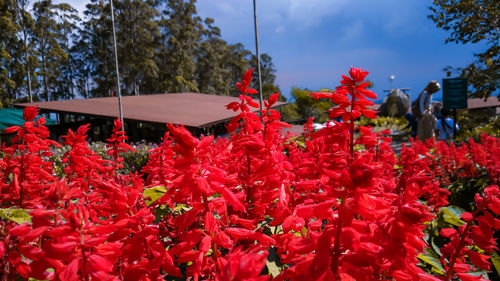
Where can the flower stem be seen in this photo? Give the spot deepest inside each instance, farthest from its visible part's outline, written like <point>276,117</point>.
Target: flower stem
<point>336,246</point>
<point>461,244</point>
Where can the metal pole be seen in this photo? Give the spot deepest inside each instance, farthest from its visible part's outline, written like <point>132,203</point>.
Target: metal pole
<point>116,64</point>
<point>257,51</point>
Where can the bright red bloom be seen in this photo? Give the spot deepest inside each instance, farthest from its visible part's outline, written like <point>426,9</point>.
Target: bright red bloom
<point>30,113</point>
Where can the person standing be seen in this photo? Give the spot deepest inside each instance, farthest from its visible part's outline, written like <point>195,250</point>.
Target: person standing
<point>444,126</point>
<point>427,121</point>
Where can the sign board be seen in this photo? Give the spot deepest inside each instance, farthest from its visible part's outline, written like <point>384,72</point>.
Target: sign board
<point>454,93</point>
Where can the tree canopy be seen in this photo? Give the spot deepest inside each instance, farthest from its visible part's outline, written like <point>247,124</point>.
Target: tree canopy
<point>473,21</point>
<point>49,52</point>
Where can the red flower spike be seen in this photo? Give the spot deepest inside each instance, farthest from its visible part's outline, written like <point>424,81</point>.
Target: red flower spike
<point>357,74</point>
<point>272,100</point>
<point>30,113</point>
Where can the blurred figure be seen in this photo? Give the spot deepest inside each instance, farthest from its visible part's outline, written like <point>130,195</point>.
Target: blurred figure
<point>412,123</point>
<point>426,123</point>
<point>436,109</point>
<point>444,126</point>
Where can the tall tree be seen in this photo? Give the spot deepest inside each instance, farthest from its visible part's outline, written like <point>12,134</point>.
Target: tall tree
<point>68,25</point>
<point>82,61</point>
<point>181,37</point>
<point>212,69</point>
<point>268,75</point>
<point>97,35</point>
<point>238,62</point>
<point>138,34</point>
<point>8,42</point>
<point>473,21</point>
<point>53,25</point>
<point>25,34</point>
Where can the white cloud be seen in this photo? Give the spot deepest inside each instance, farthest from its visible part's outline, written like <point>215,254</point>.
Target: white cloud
<point>79,5</point>
<point>225,8</point>
<point>352,31</point>
<point>280,29</point>
<point>275,14</point>
<point>310,13</point>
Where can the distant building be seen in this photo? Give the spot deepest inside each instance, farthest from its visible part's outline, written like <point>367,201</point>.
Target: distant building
<point>144,116</point>
<point>492,105</point>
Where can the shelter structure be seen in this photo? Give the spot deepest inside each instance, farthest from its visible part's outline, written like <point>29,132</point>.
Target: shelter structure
<point>14,117</point>
<point>492,104</point>
<point>144,116</point>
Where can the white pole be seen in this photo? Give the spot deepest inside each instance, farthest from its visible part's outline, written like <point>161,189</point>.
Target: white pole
<point>257,50</point>
<point>116,64</point>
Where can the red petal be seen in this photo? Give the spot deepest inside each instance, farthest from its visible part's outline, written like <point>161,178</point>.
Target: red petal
<point>448,232</point>
<point>251,91</point>
<point>321,95</point>
<point>467,277</point>
<point>273,99</point>
<point>11,130</point>
<point>369,113</point>
<point>232,200</point>
<point>99,263</point>
<point>479,260</point>
<point>70,272</point>
<point>467,217</point>
<point>368,93</point>
<point>19,230</point>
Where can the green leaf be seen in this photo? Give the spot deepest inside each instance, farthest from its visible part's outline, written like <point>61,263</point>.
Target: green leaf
<point>271,263</point>
<point>272,268</point>
<point>495,260</point>
<point>452,215</point>
<point>432,259</point>
<point>154,193</point>
<point>181,207</point>
<point>16,215</point>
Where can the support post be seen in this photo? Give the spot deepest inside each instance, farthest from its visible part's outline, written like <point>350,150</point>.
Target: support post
<point>257,51</point>
<point>116,65</point>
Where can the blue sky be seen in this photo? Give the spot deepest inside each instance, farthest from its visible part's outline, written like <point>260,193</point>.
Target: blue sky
<point>313,42</point>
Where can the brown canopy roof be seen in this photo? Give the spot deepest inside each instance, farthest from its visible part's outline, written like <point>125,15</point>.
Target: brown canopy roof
<point>188,109</point>
<point>481,103</point>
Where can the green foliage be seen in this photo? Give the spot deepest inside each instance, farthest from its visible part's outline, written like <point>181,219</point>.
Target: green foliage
<point>268,75</point>
<point>10,67</point>
<point>133,161</point>
<point>95,45</point>
<point>463,189</point>
<point>290,112</point>
<point>16,215</point>
<point>450,216</point>
<point>473,22</point>
<point>495,260</point>
<point>308,107</point>
<point>383,122</point>
<point>212,73</point>
<point>154,193</point>
<point>183,29</point>
<point>473,123</point>
<point>137,34</point>
<point>431,261</point>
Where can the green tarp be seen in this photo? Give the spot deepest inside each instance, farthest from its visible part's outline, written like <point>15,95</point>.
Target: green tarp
<point>14,117</point>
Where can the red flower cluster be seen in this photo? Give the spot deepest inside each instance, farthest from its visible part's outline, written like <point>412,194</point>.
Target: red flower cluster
<point>256,206</point>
